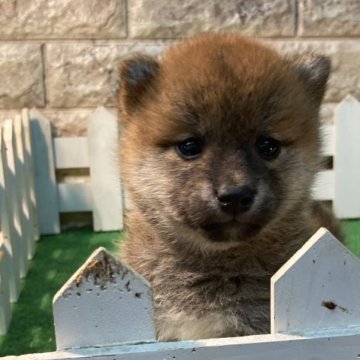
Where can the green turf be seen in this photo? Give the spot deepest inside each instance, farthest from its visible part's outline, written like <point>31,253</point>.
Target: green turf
<point>352,235</point>
<point>56,259</point>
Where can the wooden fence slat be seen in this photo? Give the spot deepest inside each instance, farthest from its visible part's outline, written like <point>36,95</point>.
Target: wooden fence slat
<point>103,303</point>
<point>23,189</point>
<point>71,153</point>
<point>45,184</point>
<point>5,309</point>
<point>104,171</point>
<point>346,161</point>
<point>75,197</point>
<point>324,185</point>
<point>7,226</point>
<point>29,162</point>
<point>325,180</point>
<point>261,347</point>
<point>317,288</point>
<point>14,208</point>
<point>2,185</point>
<point>5,276</point>
<point>328,139</point>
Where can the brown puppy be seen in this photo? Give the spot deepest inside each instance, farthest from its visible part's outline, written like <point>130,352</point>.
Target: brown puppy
<point>219,149</point>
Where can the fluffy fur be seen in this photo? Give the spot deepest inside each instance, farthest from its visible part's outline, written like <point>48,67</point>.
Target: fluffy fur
<point>210,270</point>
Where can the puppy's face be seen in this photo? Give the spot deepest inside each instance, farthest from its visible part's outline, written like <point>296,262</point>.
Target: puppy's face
<point>221,137</point>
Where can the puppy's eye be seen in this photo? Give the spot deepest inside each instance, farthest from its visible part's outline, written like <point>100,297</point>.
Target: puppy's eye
<point>268,148</point>
<point>189,148</point>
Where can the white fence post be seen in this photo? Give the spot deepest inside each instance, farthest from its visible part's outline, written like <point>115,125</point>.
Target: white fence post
<point>46,190</point>
<point>29,169</point>
<point>104,302</point>
<point>23,189</point>
<point>14,210</point>
<point>5,276</point>
<point>5,309</point>
<point>347,159</point>
<point>105,171</point>
<point>9,237</point>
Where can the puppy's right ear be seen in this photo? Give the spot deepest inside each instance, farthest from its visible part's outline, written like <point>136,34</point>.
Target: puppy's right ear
<point>137,77</point>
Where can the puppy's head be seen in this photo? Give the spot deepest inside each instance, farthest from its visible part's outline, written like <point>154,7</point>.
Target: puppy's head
<point>221,136</point>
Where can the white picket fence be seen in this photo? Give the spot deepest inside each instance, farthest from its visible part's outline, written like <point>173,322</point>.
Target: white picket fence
<point>18,217</point>
<point>102,195</point>
<point>342,142</point>
<point>31,199</point>
<point>24,168</point>
<point>105,311</point>
<point>97,152</point>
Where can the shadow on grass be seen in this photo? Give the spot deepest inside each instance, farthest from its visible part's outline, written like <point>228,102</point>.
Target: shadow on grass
<point>57,257</point>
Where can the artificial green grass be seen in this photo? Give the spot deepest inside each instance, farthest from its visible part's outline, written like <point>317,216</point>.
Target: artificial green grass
<point>56,259</point>
<point>352,234</point>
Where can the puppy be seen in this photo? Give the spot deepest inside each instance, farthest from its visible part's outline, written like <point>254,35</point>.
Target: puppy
<point>219,149</point>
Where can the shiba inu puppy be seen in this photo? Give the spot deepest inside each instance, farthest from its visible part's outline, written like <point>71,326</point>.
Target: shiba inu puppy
<point>219,148</point>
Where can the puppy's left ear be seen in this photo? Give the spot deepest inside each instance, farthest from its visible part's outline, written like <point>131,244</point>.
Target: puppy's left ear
<point>137,78</point>
<point>313,70</point>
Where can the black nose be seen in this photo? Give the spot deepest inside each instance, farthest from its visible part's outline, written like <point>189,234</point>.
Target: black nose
<point>236,199</point>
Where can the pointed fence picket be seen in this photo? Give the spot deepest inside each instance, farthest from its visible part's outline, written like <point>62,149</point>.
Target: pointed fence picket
<point>89,302</point>
<point>105,312</point>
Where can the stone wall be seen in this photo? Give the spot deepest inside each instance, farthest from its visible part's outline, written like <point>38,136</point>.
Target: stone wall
<point>62,56</point>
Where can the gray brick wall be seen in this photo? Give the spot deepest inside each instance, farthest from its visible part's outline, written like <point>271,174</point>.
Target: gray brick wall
<point>63,56</point>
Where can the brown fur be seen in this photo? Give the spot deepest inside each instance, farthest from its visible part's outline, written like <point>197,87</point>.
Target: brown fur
<point>209,278</point>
